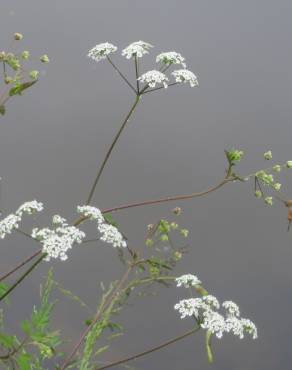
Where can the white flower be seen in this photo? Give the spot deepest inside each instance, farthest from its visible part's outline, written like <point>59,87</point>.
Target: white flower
<point>56,242</point>
<point>231,308</point>
<point>205,311</point>
<point>138,48</point>
<point>11,222</point>
<point>250,327</point>
<point>154,77</point>
<point>211,301</point>
<point>111,235</point>
<point>30,208</point>
<point>101,51</point>
<point>171,57</point>
<point>190,307</point>
<point>184,76</point>
<point>187,281</point>
<point>92,212</point>
<point>214,322</point>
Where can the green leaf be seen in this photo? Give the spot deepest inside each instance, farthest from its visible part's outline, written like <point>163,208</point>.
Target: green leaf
<point>110,220</point>
<point>2,110</point>
<point>24,361</point>
<point>7,341</point>
<point>19,88</point>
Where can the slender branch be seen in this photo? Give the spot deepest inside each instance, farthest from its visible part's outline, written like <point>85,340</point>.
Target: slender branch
<point>111,149</point>
<point>137,74</point>
<point>153,349</point>
<point>168,199</point>
<point>121,74</point>
<point>160,87</point>
<point>20,265</point>
<point>22,277</point>
<point>97,316</point>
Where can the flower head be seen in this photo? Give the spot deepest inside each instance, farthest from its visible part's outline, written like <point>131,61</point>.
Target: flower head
<point>101,51</point>
<point>171,57</point>
<point>11,222</point>
<point>56,242</point>
<point>154,77</point>
<point>137,48</point>
<point>187,281</point>
<point>184,76</point>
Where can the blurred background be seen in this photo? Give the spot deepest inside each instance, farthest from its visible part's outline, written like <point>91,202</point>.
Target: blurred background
<point>53,139</point>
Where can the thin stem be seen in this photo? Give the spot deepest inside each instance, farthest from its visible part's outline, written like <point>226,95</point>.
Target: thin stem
<point>168,199</point>
<point>137,74</point>
<point>160,87</point>
<point>111,149</point>
<point>153,349</point>
<point>20,265</point>
<point>22,277</point>
<point>121,74</point>
<point>97,316</point>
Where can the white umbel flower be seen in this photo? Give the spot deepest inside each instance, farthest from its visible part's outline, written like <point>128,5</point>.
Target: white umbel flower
<point>187,281</point>
<point>56,242</point>
<point>101,51</point>
<point>231,308</point>
<point>137,48</point>
<point>92,213</point>
<point>184,76</point>
<point>171,57</point>
<point>154,77</point>
<point>11,222</point>
<point>109,233</point>
<point>206,311</point>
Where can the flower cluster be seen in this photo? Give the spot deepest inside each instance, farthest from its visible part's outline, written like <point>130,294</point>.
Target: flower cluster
<point>137,48</point>
<point>56,242</point>
<point>109,233</point>
<point>101,51</point>
<point>11,222</point>
<point>205,311</point>
<point>187,281</point>
<point>154,77</point>
<point>171,57</point>
<point>184,76</point>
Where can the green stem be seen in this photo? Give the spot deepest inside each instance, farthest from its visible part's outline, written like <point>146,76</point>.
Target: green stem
<point>124,123</point>
<point>121,74</point>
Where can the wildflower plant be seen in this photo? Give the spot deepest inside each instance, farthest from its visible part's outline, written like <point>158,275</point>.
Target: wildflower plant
<point>165,242</point>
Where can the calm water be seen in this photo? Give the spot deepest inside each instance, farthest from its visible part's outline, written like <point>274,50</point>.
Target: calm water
<point>54,137</point>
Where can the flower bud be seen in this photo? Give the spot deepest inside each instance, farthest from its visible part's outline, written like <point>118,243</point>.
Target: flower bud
<point>269,201</point>
<point>177,211</point>
<point>44,58</point>
<point>268,155</point>
<point>18,36</point>
<point>25,55</point>
<point>289,164</point>
<point>33,74</point>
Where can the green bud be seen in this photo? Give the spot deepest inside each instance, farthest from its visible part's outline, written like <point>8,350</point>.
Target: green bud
<point>277,186</point>
<point>8,80</point>
<point>2,55</point>
<point>277,168</point>
<point>184,233</point>
<point>18,36</point>
<point>174,225</point>
<point>44,58</point>
<point>149,242</point>
<point>25,55</point>
<point>33,74</point>
<point>234,155</point>
<point>177,255</point>
<point>177,211</point>
<point>164,238</point>
<point>269,201</point>
<point>258,193</point>
<point>289,164</point>
<point>268,155</point>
